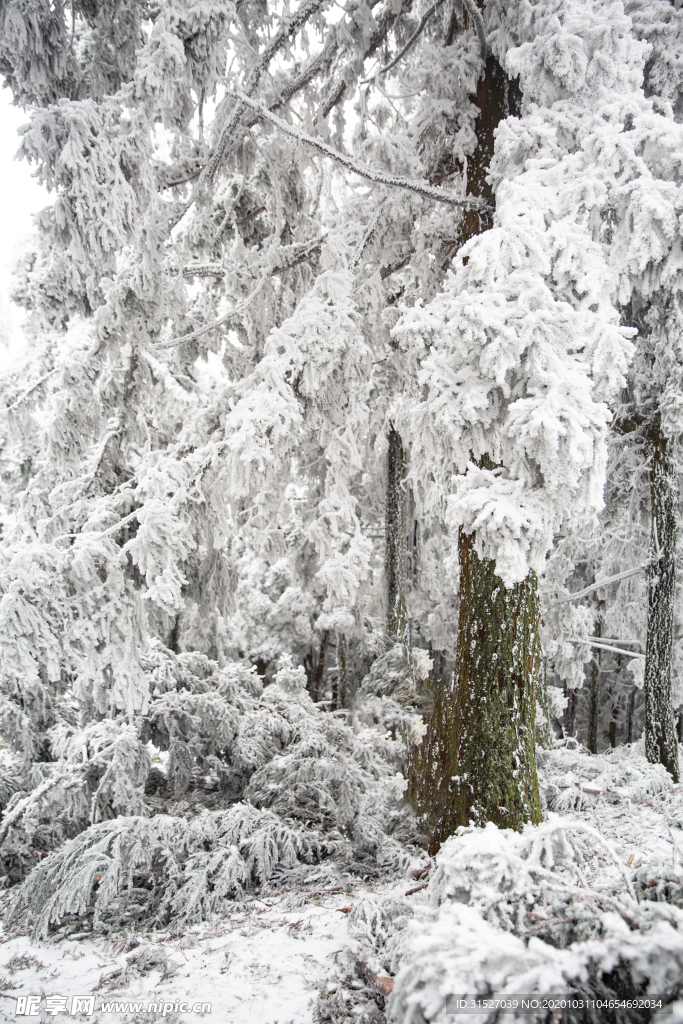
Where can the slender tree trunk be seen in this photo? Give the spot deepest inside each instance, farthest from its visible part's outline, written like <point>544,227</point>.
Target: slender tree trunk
<point>479,761</point>
<point>614,718</point>
<point>630,708</point>
<point>341,683</point>
<point>413,547</point>
<point>395,537</point>
<point>571,713</point>
<point>314,665</point>
<point>613,723</point>
<point>544,729</point>
<point>660,735</point>
<point>594,697</point>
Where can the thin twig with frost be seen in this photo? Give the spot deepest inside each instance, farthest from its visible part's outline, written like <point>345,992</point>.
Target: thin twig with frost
<point>603,647</point>
<point>26,394</point>
<point>18,812</point>
<point>291,26</point>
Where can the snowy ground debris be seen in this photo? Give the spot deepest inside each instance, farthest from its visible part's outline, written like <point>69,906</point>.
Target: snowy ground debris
<point>601,878</point>
<point>263,963</point>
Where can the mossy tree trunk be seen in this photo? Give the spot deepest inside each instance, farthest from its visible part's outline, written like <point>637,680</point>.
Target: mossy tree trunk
<point>478,759</point>
<point>395,549</point>
<point>660,735</point>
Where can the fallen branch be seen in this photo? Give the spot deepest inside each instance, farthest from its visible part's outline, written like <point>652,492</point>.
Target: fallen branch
<point>417,888</point>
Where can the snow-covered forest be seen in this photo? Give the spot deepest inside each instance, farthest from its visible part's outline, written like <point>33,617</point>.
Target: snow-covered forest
<point>339,512</point>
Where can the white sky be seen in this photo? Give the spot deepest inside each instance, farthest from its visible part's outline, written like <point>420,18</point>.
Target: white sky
<point>22,196</point>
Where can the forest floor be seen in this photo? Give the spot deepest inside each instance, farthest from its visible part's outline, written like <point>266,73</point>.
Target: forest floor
<point>267,959</point>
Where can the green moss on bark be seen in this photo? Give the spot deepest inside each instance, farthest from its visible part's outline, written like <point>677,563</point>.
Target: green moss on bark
<point>478,760</point>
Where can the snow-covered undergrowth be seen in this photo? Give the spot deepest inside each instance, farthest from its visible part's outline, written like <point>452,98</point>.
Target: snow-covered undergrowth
<point>253,784</point>
<point>588,904</point>
<point>263,961</point>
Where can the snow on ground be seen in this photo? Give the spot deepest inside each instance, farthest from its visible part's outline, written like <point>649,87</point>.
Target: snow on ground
<point>263,963</point>
<point>266,960</point>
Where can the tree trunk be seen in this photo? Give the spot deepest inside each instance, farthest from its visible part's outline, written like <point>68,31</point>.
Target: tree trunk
<point>544,729</point>
<point>630,709</point>
<point>413,547</point>
<point>660,736</point>
<point>478,761</point>
<point>314,665</point>
<point>593,704</point>
<point>339,694</point>
<point>395,537</point>
<point>594,697</point>
<point>613,723</point>
<point>571,713</point>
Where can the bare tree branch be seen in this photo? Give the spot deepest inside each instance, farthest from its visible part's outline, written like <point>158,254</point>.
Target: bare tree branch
<point>380,177</point>
<point>601,583</point>
<point>604,647</point>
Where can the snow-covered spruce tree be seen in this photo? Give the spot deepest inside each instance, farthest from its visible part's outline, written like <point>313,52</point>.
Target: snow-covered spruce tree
<point>217,303</point>
<point>642,172</point>
<point>519,353</point>
<point>200,350</point>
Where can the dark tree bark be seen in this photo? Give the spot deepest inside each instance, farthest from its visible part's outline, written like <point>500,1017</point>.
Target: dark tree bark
<point>594,697</point>
<point>339,694</point>
<point>395,549</point>
<point>314,665</point>
<point>571,713</point>
<point>630,709</point>
<point>544,729</point>
<point>613,723</point>
<point>479,761</point>
<point>498,660</point>
<point>660,736</point>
